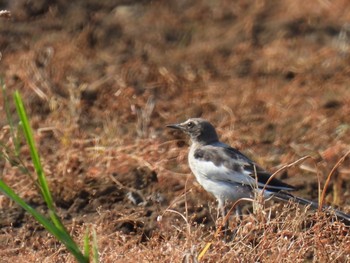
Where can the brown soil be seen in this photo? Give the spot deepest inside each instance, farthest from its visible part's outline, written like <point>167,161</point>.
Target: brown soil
<point>101,79</point>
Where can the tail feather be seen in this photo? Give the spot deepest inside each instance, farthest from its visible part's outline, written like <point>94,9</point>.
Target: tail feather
<point>345,218</point>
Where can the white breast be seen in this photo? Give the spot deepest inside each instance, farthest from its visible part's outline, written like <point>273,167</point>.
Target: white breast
<point>219,180</point>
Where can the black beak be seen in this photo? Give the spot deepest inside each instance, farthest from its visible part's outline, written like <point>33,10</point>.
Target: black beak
<point>174,126</point>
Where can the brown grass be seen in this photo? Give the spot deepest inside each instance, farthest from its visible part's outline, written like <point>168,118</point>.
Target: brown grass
<point>101,81</point>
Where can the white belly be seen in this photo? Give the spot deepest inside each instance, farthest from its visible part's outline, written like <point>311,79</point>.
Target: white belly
<point>221,189</point>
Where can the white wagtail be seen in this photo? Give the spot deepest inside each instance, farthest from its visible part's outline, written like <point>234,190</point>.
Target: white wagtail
<point>227,173</point>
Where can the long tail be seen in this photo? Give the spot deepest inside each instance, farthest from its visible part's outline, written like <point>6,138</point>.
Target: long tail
<point>345,218</point>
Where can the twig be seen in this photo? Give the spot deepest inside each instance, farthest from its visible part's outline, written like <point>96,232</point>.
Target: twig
<point>323,195</point>
<point>284,168</point>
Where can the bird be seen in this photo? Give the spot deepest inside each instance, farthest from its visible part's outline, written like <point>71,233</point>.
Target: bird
<point>228,174</point>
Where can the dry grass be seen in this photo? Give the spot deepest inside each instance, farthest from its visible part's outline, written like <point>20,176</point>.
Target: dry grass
<point>102,80</point>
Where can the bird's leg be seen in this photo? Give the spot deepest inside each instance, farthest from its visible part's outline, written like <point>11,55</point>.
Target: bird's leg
<point>238,212</point>
<point>228,234</point>
<point>222,209</point>
<point>224,224</point>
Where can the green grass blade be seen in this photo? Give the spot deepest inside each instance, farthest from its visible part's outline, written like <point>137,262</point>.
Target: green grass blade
<point>43,185</point>
<point>16,161</point>
<point>57,222</point>
<point>58,233</point>
<point>86,243</point>
<point>96,258</point>
<point>33,152</point>
<point>9,117</point>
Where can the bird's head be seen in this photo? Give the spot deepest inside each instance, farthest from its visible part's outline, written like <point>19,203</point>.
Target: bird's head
<point>198,129</point>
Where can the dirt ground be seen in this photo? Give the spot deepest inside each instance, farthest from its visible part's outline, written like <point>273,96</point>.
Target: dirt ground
<point>101,79</point>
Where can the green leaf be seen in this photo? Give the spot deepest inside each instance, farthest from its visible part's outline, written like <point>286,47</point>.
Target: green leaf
<point>86,243</point>
<point>33,152</point>
<point>95,247</point>
<point>49,226</point>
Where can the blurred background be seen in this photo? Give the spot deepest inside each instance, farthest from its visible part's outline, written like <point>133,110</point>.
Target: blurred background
<point>101,79</point>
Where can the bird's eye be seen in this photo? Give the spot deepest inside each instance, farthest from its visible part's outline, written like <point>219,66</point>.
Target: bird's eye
<point>190,124</point>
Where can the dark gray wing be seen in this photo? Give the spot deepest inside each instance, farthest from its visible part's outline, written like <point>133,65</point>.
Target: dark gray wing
<point>262,174</point>
<point>224,163</point>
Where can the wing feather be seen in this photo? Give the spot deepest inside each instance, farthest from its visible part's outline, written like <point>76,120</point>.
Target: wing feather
<point>223,163</point>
